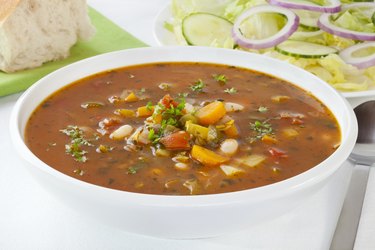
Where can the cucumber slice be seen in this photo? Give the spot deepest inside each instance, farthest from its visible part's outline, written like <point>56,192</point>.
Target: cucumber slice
<point>205,29</point>
<point>304,49</point>
<point>308,19</point>
<point>306,36</point>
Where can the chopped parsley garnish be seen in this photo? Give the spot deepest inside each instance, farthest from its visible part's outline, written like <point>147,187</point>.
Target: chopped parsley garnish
<point>231,91</point>
<point>76,151</point>
<point>170,117</point>
<point>149,106</point>
<point>175,111</point>
<point>262,109</point>
<point>222,79</point>
<point>183,95</point>
<point>142,91</point>
<point>141,163</point>
<point>198,86</point>
<point>132,170</point>
<point>153,136</point>
<point>261,129</point>
<point>74,148</point>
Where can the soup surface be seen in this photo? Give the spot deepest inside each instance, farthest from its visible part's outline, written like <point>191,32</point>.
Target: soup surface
<point>181,129</point>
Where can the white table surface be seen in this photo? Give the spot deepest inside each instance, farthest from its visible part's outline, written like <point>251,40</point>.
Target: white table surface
<point>31,218</point>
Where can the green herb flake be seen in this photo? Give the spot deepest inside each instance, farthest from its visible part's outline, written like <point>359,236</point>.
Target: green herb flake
<point>76,151</point>
<point>198,86</point>
<point>142,91</point>
<point>132,170</point>
<point>183,95</point>
<point>231,91</point>
<point>222,79</point>
<point>74,148</point>
<point>262,109</point>
<point>170,117</point>
<point>137,166</point>
<point>261,129</point>
<point>153,136</point>
<point>149,106</point>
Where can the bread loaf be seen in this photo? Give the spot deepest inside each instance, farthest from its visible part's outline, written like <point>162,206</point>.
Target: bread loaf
<point>36,31</point>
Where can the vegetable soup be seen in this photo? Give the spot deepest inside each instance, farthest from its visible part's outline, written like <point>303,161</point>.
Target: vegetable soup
<point>182,129</point>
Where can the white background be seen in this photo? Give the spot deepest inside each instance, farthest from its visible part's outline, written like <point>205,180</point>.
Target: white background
<point>30,218</point>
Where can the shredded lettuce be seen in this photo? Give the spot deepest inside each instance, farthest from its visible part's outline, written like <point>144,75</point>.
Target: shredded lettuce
<point>354,19</point>
<point>331,68</point>
<point>253,26</point>
<point>237,7</point>
<point>182,8</point>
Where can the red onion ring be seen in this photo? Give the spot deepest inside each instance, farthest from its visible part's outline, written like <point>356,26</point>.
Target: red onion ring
<point>334,7</point>
<point>289,28</point>
<point>359,62</point>
<point>325,24</point>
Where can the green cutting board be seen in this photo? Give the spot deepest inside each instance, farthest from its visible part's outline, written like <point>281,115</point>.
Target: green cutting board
<point>108,37</point>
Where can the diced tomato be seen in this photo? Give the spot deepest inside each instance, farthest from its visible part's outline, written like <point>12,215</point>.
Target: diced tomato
<point>275,152</point>
<point>176,141</point>
<point>295,117</point>
<point>168,101</point>
<point>287,114</point>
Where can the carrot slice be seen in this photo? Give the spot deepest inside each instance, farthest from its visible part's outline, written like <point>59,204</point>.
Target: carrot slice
<point>211,113</point>
<point>145,111</point>
<point>131,98</point>
<point>232,131</point>
<point>125,112</point>
<point>207,157</point>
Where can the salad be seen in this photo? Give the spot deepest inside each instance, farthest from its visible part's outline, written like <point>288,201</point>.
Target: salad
<point>335,40</point>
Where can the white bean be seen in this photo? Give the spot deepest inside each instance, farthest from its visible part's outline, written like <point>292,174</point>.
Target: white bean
<point>181,158</point>
<point>181,166</point>
<point>121,132</point>
<point>143,137</point>
<point>229,146</point>
<point>233,107</point>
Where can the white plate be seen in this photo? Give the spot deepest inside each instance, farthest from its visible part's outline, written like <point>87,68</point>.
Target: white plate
<point>167,38</point>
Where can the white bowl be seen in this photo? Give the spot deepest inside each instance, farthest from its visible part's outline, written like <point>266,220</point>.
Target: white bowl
<point>184,216</point>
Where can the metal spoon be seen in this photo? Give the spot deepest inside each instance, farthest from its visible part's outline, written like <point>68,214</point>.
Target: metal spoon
<point>362,154</point>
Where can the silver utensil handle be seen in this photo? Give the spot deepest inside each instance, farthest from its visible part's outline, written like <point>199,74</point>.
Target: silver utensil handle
<point>347,225</point>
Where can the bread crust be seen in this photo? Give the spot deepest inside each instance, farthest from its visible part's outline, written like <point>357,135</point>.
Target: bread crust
<point>7,7</point>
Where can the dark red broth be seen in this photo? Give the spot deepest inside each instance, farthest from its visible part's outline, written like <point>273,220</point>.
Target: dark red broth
<point>277,130</point>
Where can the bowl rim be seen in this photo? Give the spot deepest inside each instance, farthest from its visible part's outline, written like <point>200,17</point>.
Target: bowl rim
<point>306,179</point>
